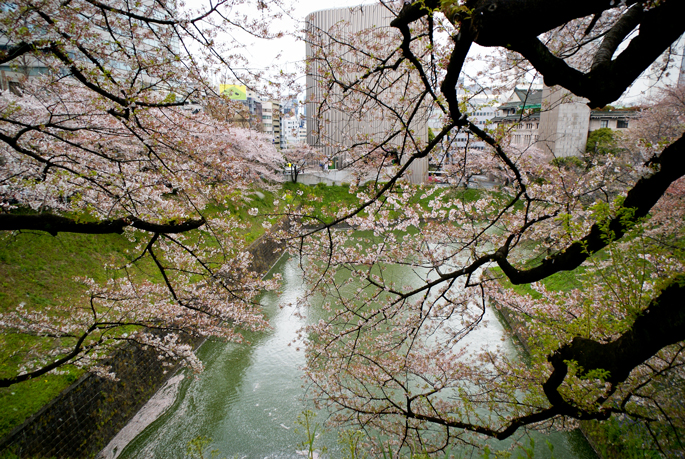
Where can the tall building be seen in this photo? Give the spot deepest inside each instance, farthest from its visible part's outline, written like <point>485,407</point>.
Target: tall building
<point>330,126</point>
<point>271,121</point>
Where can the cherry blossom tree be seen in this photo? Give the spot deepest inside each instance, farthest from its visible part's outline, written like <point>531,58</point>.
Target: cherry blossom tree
<point>393,358</point>
<point>299,157</point>
<point>94,139</point>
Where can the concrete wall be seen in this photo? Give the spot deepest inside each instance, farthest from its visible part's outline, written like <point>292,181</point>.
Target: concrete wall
<point>564,122</point>
<point>87,415</point>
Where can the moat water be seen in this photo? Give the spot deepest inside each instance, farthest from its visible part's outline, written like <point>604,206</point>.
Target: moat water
<point>248,399</point>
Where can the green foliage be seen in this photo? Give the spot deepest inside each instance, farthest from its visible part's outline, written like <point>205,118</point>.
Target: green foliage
<point>431,135</point>
<point>351,443</point>
<point>621,439</point>
<point>568,162</point>
<point>198,448</point>
<point>308,428</point>
<point>8,454</point>
<point>602,142</point>
<point>562,281</point>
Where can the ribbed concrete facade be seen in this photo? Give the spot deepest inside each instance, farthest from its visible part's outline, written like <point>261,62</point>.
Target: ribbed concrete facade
<point>564,122</point>
<point>337,120</point>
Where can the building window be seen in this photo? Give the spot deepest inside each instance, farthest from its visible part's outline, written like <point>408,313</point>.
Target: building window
<point>622,124</point>
<point>604,123</point>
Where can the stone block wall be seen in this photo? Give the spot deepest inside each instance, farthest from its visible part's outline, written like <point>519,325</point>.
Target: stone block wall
<point>82,419</point>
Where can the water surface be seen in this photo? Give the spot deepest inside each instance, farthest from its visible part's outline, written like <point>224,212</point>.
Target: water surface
<point>248,399</point>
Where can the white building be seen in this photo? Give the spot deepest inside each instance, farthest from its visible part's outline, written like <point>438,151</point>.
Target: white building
<point>290,131</point>
<point>271,121</point>
<point>480,111</point>
<point>555,120</point>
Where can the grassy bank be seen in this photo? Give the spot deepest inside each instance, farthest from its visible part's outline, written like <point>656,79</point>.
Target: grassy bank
<point>40,270</point>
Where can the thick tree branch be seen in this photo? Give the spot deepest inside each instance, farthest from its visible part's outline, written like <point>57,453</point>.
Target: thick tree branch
<point>20,49</point>
<point>640,199</point>
<point>660,325</point>
<point>608,79</point>
<point>497,21</point>
<point>615,36</point>
<point>54,224</point>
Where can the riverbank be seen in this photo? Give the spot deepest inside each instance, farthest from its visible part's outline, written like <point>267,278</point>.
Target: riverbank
<point>84,417</point>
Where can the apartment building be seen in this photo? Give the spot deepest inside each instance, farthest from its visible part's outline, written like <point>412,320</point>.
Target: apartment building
<point>271,121</point>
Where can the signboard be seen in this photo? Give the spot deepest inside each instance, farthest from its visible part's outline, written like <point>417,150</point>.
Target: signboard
<point>234,91</point>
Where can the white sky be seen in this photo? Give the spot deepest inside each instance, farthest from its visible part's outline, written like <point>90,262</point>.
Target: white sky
<point>288,53</point>
<point>263,53</point>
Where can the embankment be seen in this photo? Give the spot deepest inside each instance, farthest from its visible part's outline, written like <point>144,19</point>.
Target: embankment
<point>87,415</point>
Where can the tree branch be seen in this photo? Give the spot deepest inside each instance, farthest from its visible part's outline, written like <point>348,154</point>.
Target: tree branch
<point>54,224</point>
<point>641,198</point>
<point>615,36</point>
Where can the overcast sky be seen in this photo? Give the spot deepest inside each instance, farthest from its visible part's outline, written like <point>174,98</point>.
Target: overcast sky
<point>264,53</point>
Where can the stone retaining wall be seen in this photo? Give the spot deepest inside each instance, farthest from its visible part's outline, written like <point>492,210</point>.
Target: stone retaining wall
<point>87,415</point>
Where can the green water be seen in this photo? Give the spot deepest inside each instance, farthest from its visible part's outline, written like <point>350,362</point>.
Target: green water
<point>249,396</point>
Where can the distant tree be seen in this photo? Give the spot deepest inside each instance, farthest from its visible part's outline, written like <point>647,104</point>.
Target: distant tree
<point>601,142</point>
<point>299,157</point>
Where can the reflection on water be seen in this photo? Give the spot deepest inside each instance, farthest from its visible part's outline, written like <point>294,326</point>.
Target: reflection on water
<point>249,396</point>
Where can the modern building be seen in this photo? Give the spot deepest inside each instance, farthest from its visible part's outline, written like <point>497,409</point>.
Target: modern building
<point>290,131</point>
<point>480,110</point>
<point>331,127</point>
